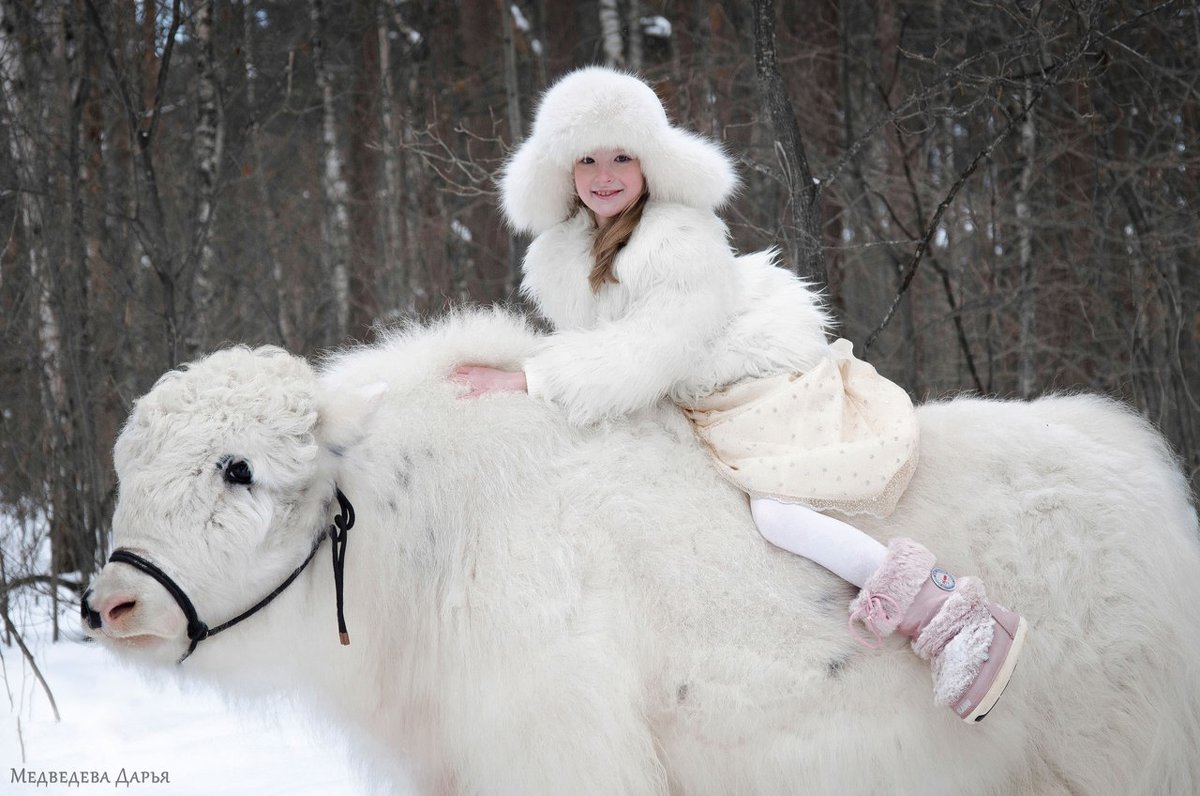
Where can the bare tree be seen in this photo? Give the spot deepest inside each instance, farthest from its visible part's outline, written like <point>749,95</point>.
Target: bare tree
<point>209,141</point>
<point>1016,183</point>
<point>610,31</point>
<point>265,211</point>
<point>393,262</point>
<point>1026,297</point>
<point>805,238</point>
<point>335,218</point>
<point>633,26</point>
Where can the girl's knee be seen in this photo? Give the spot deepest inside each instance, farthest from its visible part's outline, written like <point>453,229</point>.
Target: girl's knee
<point>777,521</point>
<point>763,512</point>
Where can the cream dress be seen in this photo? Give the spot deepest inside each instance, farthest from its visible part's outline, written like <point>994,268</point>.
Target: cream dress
<point>839,437</point>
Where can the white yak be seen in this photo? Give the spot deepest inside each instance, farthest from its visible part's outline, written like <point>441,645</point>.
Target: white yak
<point>541,609</point>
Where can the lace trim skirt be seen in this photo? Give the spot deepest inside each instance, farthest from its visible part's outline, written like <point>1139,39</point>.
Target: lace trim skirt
<point>839,437</point>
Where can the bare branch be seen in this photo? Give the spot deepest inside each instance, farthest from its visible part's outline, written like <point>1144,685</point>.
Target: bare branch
<point>37,672</point>
<point>52,580</point>
<point>935,221</point>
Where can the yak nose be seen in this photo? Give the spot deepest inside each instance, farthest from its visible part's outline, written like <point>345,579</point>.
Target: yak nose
<point>85,609</point>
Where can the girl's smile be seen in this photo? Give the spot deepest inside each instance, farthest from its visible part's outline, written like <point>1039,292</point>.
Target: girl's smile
<point>608,181</point>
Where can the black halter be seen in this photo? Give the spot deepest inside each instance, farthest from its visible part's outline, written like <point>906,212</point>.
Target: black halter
<point>197,630</point>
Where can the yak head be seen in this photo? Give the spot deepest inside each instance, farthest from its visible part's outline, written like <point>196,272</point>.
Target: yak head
<point>225,481</point>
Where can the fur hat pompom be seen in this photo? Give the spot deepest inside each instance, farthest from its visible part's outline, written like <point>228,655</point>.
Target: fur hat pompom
<point>599,108</point>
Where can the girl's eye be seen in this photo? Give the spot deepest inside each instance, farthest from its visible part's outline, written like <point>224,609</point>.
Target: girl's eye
<point>623,158</point>
<point>587,160</point>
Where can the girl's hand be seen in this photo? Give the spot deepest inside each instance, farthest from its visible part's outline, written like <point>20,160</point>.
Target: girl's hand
<point>483,380</point>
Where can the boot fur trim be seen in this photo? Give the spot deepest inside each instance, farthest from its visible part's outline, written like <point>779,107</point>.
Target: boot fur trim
<point>965,609</point>
<point>900,577</point>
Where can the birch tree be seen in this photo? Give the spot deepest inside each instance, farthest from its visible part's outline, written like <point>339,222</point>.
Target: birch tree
<point>412,174</point>
<point>208,144</point>
<point>512,100</point>
<point>633,26</point>
<point>396,279</point>
<point>610,33</point>
<point>23,119</point>
<point>26,114</point>
<point>335,218</point>
<point>43,68</point>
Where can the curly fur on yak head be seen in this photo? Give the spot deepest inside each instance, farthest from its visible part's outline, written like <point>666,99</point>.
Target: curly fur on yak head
<point>598,108</point>
<point>222,538</point>
<point>228,542</point>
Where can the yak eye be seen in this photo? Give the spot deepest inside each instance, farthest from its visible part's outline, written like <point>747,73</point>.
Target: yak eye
<point>237,471</point>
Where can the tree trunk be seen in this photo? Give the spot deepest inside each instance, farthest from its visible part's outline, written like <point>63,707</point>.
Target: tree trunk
<point>395,281</point>
<point>362,174</point>
<point>47,283</point>
<point>1027,293</point>
<point>610,33</point>
<point>32,175</point>
<point>804,244</point>
<point>416,292</point>
<point>512,96</point>
<point>634,25</point>
<point>267,215</point>
<point>335,218</point>
<point>207,145</point>
<point>77,291</point>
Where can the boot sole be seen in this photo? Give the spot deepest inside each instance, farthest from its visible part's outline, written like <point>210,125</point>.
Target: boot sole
<point>1002,677</point>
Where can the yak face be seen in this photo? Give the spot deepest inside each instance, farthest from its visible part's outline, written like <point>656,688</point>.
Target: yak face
<point>223,479</point>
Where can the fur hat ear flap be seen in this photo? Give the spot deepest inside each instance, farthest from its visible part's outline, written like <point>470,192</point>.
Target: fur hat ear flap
<point>689,169</point>
<point>535,192</point>
<point>599,108</point>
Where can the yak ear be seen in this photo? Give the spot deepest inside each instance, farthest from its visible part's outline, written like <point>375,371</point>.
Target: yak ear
<point>344,416</point>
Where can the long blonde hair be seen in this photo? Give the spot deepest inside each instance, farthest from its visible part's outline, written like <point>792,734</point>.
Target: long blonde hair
<point>612,238</point>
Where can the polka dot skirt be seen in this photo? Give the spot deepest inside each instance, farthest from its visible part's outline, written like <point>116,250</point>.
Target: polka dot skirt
<point>838,437</point>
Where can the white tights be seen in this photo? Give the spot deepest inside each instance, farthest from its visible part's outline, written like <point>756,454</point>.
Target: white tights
<point>842,549</point>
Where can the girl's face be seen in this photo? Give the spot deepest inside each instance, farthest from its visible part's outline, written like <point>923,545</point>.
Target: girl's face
<point>608,181</point>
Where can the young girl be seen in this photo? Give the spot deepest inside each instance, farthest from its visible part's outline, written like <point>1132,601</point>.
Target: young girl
<point>633,268</point>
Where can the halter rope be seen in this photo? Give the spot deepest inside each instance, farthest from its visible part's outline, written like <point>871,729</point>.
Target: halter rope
<point>197,630</point>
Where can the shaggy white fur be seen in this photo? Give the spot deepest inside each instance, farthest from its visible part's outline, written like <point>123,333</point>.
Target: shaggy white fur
<point>538,608</point>
<point>686,318</point>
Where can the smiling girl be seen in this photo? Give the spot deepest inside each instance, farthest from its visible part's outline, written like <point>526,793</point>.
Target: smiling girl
<point>633,268</point>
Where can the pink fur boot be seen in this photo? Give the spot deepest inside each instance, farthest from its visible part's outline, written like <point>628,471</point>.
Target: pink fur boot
<point>971,644</point>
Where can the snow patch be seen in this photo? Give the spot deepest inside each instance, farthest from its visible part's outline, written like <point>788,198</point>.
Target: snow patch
<point>519,19</point>
<point>113,719</point>
<point>657,27</point>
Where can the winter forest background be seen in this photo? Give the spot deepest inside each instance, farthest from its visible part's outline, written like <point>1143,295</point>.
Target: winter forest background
<point>1012,186</point>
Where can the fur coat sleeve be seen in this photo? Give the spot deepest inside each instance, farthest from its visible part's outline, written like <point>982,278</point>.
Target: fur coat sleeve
<point>636,341</point>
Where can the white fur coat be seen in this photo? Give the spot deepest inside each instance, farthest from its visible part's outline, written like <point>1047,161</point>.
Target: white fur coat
<point>685,318</point>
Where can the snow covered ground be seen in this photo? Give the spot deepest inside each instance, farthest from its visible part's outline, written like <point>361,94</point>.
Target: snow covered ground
<point>114,720</point>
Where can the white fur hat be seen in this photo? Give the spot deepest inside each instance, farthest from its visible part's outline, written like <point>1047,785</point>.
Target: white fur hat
<point>598,108</point>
